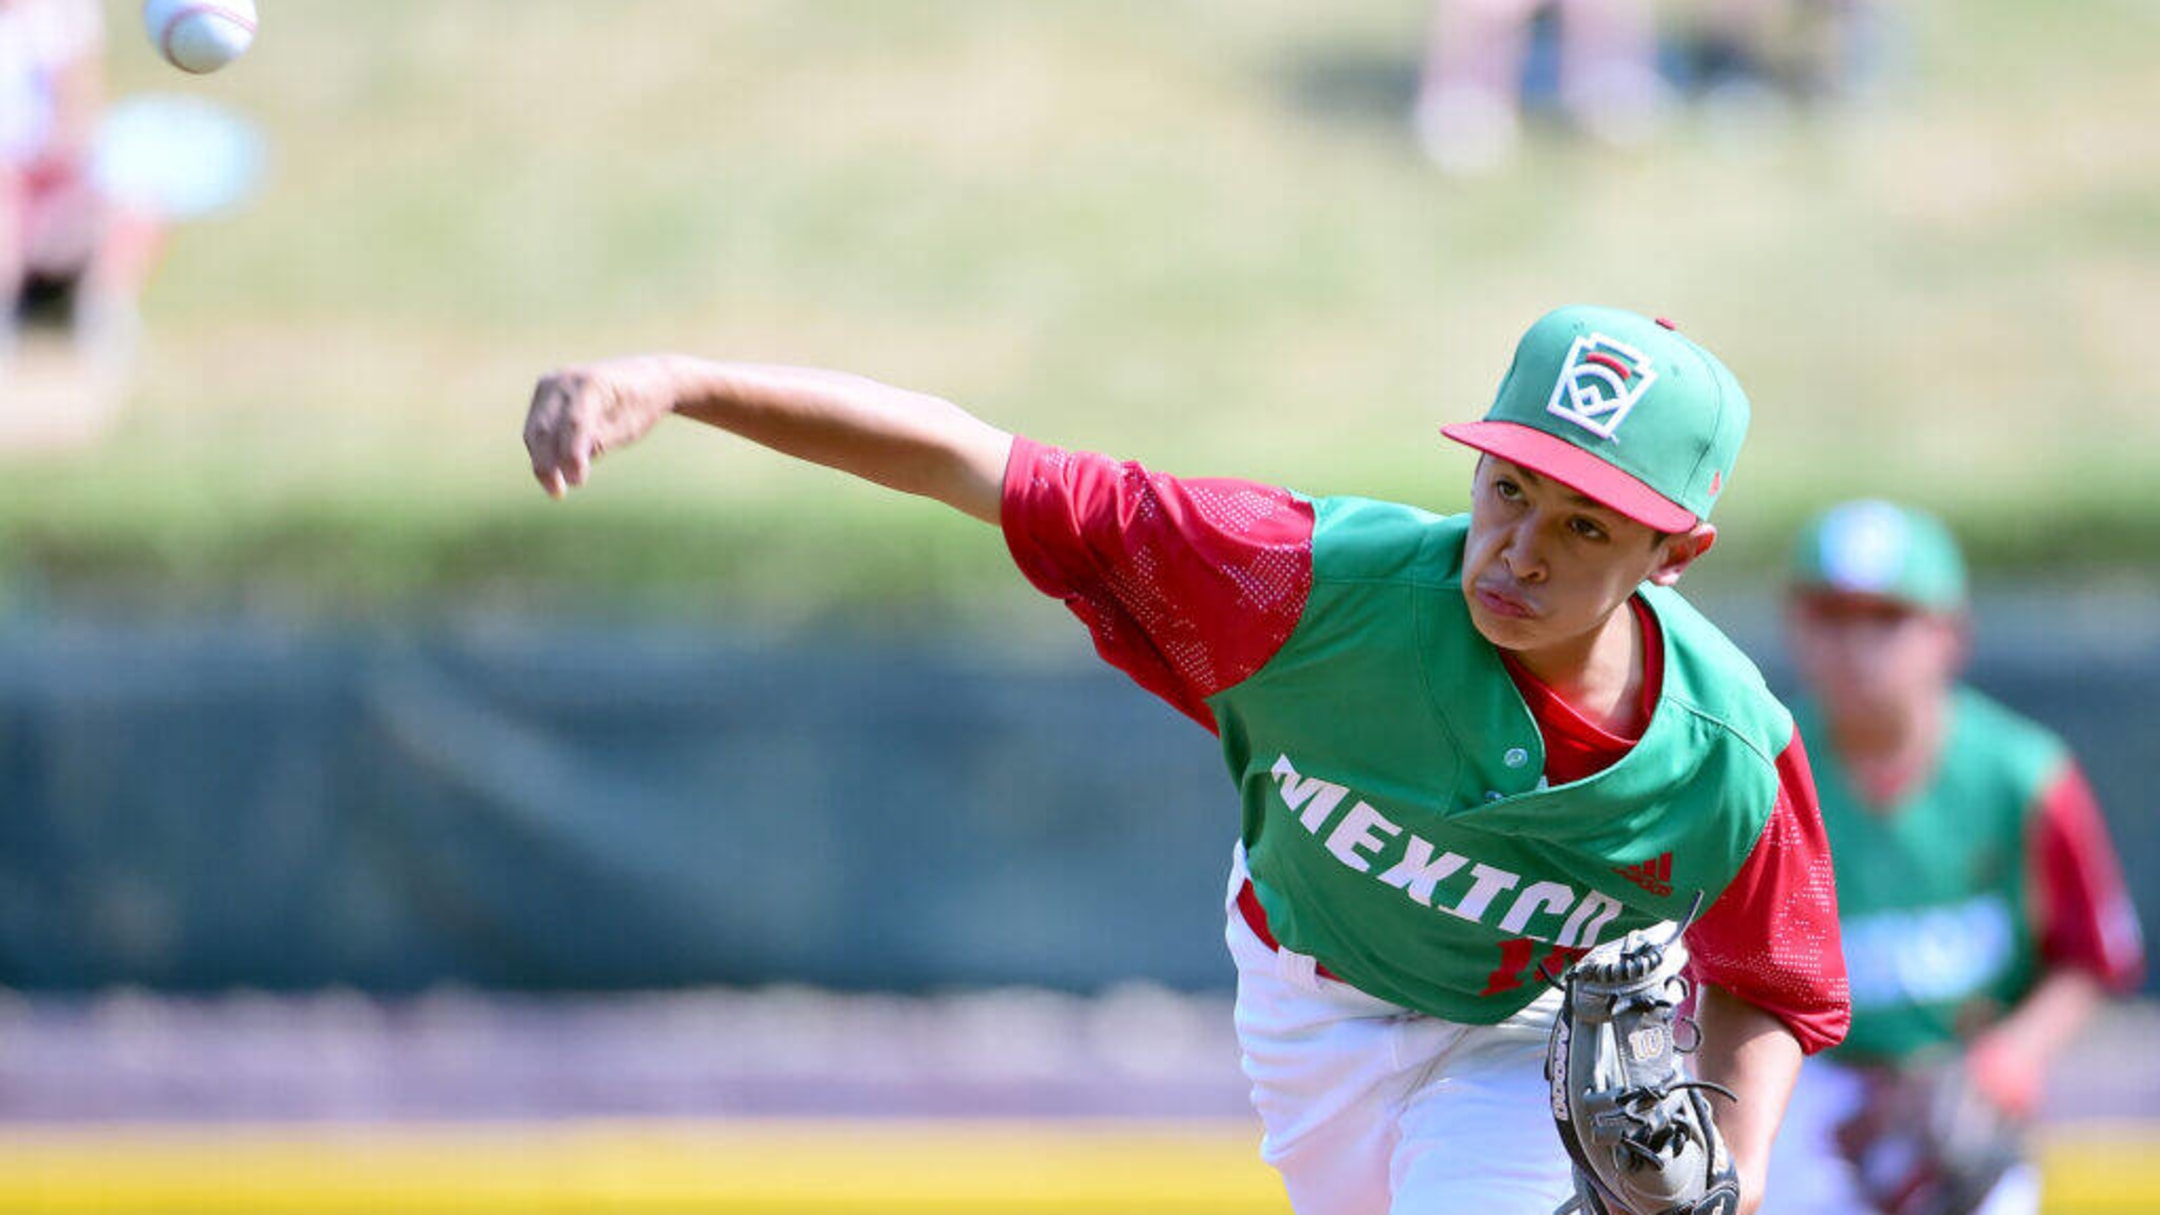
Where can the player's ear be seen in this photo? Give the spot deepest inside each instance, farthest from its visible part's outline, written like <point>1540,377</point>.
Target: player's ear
<point>1960,626</point>
<point>1679,550</point>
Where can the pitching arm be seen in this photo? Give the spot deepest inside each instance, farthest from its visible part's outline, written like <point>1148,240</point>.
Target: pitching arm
<point>1752,1053</point>
<point>903,440</point>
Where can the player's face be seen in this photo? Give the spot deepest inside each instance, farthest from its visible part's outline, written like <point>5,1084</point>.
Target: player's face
<point>1545,567</point>
<point>1866,659</point>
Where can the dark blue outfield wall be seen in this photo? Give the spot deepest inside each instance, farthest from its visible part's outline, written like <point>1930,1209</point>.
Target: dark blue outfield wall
<point>203,808</point>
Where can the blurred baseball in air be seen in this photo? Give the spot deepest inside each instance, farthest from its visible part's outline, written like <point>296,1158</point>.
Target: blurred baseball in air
<point>200,35</point>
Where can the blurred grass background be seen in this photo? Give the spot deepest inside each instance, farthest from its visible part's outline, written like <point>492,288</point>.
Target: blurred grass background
<point>1194,232</point>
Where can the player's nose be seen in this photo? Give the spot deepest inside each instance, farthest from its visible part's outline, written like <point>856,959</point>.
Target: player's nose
<point>1523,551</point>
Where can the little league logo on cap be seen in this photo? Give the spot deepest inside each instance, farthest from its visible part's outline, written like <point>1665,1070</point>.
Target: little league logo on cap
<point>1580,375</point>
<point>1600,381</point>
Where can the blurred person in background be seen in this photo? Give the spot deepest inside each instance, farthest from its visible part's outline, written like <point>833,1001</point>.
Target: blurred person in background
<point>1469,103</point>
<point>1982,904</point>
<point>1748,54</point>
<point>67,257</point>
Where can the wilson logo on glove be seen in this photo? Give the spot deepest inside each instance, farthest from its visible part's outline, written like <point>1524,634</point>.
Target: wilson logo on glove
<point>1638,1127</point>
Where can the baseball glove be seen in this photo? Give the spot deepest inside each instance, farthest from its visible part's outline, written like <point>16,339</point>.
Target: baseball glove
<point>1637,1126</point>
<point>1926,1142</point>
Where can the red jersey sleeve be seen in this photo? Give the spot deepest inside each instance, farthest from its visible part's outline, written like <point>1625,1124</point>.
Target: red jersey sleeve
<point>1771,938</point>
<point>1189,586</point>
<point>2086,920</point>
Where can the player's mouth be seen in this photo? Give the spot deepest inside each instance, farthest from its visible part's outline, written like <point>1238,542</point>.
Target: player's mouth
<point>1500,603</point>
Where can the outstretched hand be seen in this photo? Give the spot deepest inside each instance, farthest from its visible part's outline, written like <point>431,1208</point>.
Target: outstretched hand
<point>579,412</point>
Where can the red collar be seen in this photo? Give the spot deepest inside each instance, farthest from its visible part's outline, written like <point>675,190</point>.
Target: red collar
<point>1574,746</point>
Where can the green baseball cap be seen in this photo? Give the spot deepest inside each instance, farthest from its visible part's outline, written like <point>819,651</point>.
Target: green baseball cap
<point>1619,407</point>
<point>1883,550</point>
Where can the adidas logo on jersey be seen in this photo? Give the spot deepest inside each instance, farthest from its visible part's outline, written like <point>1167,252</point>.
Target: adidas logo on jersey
<point>1654,876</point>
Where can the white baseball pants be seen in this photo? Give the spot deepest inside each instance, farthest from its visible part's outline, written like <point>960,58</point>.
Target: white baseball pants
<point>1370,1108</point>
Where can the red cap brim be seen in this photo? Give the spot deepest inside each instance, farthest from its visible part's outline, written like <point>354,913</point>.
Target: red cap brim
<point>1575,468</point>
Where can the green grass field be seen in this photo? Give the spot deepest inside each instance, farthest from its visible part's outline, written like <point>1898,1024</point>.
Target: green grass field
<point>1193,232</point>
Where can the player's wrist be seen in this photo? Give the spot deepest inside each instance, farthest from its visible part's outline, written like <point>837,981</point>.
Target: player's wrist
<point>1754,1183</point>
<point>2006,1073</point>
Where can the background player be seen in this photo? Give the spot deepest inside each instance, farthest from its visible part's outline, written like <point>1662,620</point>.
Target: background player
<point>1467,114</point>
<point>1984,913</point>
<point>1468,748</point>
<point>55,227</point>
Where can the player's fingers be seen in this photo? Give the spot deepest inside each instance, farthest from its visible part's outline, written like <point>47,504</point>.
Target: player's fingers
<point>541,442</point>
<point>546,464</point>
<point>546,405</point>
<point>558,430</point>
<point>535,434</point>
<point>558,405</point>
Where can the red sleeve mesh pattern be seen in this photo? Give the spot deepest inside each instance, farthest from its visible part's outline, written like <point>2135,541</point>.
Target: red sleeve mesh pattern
<point>1772,937</point>
<point>1189,586</point>
<point>2086,917</point>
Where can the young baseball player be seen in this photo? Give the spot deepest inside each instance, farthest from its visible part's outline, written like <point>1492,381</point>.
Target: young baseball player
<point>1468,748</point>
<point>1984,912</point>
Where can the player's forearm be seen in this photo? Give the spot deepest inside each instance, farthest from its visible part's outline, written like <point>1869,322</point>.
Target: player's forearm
<point>2047,1018</point>
<point>2009,1059</point>
<point>1752,1053</point>
<point>905,440</point>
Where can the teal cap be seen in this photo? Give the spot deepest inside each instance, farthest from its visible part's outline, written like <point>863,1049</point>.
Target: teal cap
<point>1620,407</point>
<point>1881,549</point>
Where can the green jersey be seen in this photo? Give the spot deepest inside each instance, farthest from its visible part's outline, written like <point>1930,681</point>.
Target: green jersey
<point>1957,895</point>
<point>1397,818</point>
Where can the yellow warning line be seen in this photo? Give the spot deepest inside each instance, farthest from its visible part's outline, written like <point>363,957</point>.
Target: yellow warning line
<point>785,1167</point>
<point>795,1168</point>
<point>2103,1169</point>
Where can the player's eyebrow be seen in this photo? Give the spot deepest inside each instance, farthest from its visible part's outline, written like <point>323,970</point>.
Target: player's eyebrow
<point>1575,496</point>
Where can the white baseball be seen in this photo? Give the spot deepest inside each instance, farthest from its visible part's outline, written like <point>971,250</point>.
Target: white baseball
<point>200,35</point>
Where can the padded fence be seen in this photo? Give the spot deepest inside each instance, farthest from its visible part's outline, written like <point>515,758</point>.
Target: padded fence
<point>197,808</point>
